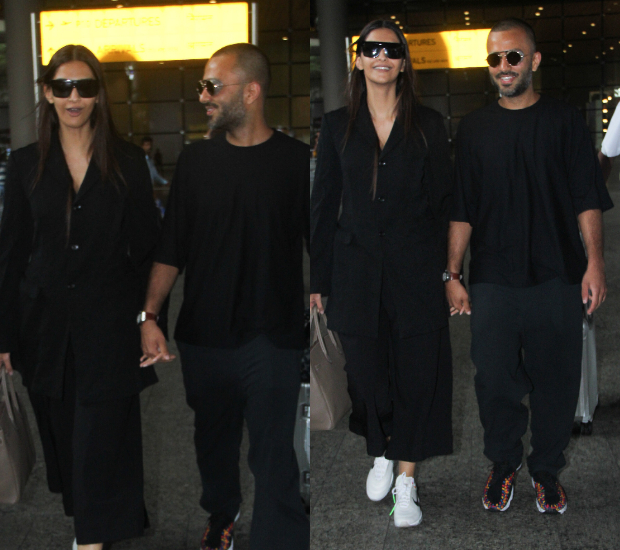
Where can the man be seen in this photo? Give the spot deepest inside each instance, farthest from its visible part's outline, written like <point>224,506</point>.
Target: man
<point>147,145</point>
<point>235,221</point>
<point>527,181</point>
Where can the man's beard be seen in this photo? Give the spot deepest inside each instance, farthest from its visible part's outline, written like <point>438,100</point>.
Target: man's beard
<point>521,85</point>
<point>231,115</point>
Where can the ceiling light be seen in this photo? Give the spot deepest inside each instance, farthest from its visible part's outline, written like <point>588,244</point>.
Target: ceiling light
<point>466,12</point>
<point>604,101</point>
<point>583,32</point>
<point>609,97</point>
<point>401,27</point>
<point>605,110</point>
<point>604,130</point>
<point>605,121</point>
<point>397,22</point>
<point>570,45</point>
<point>119,5</point>
<point>466,18</point>
<point>537,14</point>
<point>468,23</point>
<point>593,24</point>
<point>564,51</point>
<point>392,17</point>
<point>596,57</point>
<point>611,47</point>
<point>285,38</point>
<point>541,8</point>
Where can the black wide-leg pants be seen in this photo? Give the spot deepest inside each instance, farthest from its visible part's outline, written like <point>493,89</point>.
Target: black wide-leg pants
<point>400,388</point>
<point>260,383</point>
<point>527,341</point>
<point>93,456</point>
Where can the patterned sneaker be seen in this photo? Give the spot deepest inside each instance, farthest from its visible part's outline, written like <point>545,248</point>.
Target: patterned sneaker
<point>550,495</point>
<point>219,532</point>
<point>380,478</point>
<point>499,489</point>
<point>407,512</point>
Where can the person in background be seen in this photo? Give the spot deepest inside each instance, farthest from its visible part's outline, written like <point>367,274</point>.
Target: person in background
<point>386,160</point>
<point>610,147</point>
<point>147,146</point>
<point>76,238</point>
<point>527,182</point>
<point>235,222</point>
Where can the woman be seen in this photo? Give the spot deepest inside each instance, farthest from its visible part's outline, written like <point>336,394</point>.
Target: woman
<point>77,231</point>
<point>384,160</point>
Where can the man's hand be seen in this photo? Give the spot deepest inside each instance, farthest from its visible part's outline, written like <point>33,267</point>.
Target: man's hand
<point>593,286</point>
<point>5,359</point>
<point>458,299</point>
<point>154,345</point>
<point>315,300</point>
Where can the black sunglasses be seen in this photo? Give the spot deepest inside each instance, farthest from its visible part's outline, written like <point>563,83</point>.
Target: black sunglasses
<point>213,87</point>
<point>514,57</point>
<point>394,50</point>
<point>87,87</point>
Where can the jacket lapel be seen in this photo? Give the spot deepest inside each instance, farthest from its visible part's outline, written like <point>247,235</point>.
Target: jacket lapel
<point>396,135</point>
<point>364,126</point>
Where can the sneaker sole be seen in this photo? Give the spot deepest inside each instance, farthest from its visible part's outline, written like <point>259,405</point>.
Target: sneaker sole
<point>402,524</point>
<point>232,542</point>
<point>378,499</point>
<point>512,493</point>
<point>542,510</point>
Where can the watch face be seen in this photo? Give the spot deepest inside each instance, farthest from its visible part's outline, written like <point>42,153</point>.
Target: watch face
<point>446,276</point>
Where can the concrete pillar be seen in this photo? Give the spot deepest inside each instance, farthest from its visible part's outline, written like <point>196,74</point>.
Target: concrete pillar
<point>332,24</point>
<point>22,119</point>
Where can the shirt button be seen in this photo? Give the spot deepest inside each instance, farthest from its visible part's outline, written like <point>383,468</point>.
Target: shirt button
<point>382,163</point>
<point>381,233</point>
<point>380,198</point>
<point>75,247</point>
<point>71,286</point>
<point>77,207</point>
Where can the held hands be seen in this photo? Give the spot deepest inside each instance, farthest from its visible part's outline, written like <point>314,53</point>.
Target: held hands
<point>5,359</point>
<point>154,345</point>
<point>457,297</point>
<point>593,287</point>
<point>315,300</point>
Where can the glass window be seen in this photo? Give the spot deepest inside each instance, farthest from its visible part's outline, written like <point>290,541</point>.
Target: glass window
<point>439,103</point>
<point>154,118</point>
<point>582,27</point>
<point>583,75</point>
<point>116,83</point>
<point>432,82</point>
<point>300,46</point>
<point>279,80</point>
<point>583,51</point>
<point>468,80</point>
<point>432,17</point>
<point>301,79</point>
<point>191,76</point>
<point>300,107</point>
<point>612,25</point>
<point>550,77</point>
<point>582,8</point>
<point>195,117</point>
<point>300,14</point>
<point>549,10</point>
<point>547,29</point>
<point>274,14</point>
<point>458,16</point>
<point>156,85</point>
<point>460,105</point>
<point>493,15</point>
<point>277,112</point>
<point>612,74</point>
<point>611,6</point>
<point>121,118</point>
<point>273,46</point>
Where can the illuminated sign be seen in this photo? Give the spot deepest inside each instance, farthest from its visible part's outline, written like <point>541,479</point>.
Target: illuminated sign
<point>448,49</point>
<point>146,34</point>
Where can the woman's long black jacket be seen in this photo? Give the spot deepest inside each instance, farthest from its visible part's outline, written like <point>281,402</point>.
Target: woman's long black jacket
<point>398,237</point>
<point>84,287</point>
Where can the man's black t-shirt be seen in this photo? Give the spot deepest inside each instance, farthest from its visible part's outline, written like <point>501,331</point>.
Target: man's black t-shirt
<point>522,177</point>
<point>236,218</point>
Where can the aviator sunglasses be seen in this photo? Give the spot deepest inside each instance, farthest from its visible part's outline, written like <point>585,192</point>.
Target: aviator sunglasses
<point>87,87</point>
<point>393,50</point>
<point>514,57</point>
<point>213,87</point>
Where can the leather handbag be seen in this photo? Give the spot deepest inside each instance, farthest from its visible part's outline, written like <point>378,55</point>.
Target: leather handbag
<point>329,398</point>
<point>17,453</point>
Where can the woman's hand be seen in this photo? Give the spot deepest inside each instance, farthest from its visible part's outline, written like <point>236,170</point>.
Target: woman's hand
<point>5,359</point>
<point>315,300</point>
<point>154,345</point>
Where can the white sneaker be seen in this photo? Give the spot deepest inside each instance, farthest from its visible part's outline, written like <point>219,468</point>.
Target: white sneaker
<point>380,478</point>
<point>407,512</point>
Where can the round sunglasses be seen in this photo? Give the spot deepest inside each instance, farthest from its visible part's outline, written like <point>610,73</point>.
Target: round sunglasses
<point>393,50</point>
<point>87,87</point>
<point>212,86</point>
<point>513,57</point>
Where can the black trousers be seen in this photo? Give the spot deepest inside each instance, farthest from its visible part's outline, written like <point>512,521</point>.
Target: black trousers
<point>400,388</point>
<point>527,341</point>
<point>93,456</point>
<point>260,383</point>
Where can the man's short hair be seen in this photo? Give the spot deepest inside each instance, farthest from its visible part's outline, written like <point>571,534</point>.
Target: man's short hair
<point>147,139</point>
<point>515,23</point>
<point>252,61</point>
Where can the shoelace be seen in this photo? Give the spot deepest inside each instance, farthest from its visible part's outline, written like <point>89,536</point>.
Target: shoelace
<point>380,466</point>
<point>401,494</point>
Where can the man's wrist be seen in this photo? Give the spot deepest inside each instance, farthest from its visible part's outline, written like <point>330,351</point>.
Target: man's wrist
<point>145,316</point>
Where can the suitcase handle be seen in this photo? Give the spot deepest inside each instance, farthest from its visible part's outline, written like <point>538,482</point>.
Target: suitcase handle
<point>315,320</point>
<point>8,390</point>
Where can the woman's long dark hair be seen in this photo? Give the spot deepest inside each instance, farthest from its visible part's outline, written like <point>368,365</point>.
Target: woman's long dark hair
<point>406,88</point>
<point>104,132</point>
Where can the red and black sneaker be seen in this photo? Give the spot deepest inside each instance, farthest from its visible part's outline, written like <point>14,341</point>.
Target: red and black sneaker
<point>219,532</point>
<point>550,495</point>
<point>499,489</point>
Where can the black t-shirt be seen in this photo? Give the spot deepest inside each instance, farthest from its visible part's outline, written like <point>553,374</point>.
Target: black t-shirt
<point>522,177</point>
<point>236,219</point>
